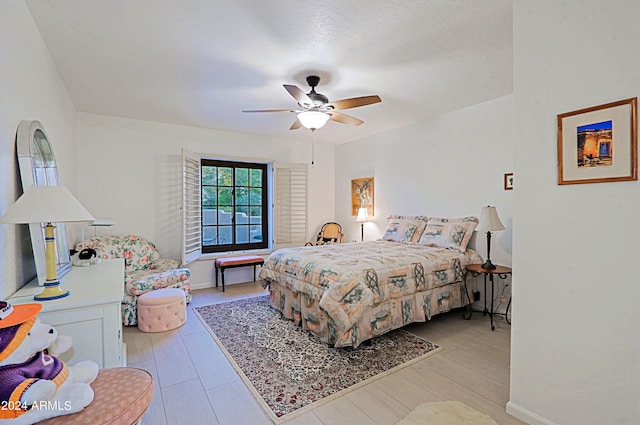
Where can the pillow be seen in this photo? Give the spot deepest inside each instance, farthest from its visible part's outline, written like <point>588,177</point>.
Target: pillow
<point>404,228</point>
<point>453,233</point>
<point>321,240</point>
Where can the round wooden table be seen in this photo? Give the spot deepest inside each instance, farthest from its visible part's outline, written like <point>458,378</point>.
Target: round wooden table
<point>502,272</point>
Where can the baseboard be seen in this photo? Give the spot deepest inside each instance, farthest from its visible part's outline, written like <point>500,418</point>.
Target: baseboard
<point>203,285</point>
<point>206,285</point>
<point>526,416</point>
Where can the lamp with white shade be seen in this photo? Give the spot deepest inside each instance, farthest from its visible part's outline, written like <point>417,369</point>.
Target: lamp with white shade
<point>489,222</point>
<point>47,204</point>
<point>313,120</point>
<point>362,218</point>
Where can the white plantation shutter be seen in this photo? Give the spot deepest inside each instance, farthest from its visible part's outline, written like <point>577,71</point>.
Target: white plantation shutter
<point>191,207</point>
<point>290,205</point>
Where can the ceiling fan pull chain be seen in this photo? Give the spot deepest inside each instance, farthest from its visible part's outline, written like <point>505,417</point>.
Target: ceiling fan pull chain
<point>313,148</point>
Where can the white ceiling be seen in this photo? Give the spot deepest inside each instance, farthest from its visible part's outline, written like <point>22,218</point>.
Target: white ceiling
<point>201,62</point>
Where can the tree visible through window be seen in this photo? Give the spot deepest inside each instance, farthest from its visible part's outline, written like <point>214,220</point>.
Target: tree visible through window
<point>234,205</point>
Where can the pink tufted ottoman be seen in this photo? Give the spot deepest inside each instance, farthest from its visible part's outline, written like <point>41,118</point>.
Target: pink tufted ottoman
<point>162,310</point>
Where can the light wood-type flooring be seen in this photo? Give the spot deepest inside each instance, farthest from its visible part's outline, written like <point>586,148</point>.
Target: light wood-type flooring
<point>195,384</point>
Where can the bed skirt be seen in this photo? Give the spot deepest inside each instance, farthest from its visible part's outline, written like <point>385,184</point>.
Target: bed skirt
<point>381,318</point>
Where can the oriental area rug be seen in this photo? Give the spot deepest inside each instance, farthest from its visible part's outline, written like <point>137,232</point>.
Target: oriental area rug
<point>288,369</point>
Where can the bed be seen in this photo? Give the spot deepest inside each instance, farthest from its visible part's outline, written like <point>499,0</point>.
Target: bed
<point>348,293</point>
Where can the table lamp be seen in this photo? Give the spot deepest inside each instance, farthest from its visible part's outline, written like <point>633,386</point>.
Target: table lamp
<point>362,218</point>
<point>489,222</point>
<point>47,204</point>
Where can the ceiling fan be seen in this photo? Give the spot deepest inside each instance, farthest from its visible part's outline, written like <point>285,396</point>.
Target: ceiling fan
<point>315,109</point>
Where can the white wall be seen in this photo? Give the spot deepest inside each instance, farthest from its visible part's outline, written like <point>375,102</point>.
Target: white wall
<point>30,89</point>
<point>130,171</point>
<point>575,346</point>
<point>451,166</point>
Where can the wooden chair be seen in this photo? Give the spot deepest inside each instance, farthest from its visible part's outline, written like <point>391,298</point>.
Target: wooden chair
<point>330,234</point>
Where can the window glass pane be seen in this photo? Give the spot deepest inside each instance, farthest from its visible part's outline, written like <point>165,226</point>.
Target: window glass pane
<point>209,216</point>
<point>241,215</point>
<point>256,197</point>
<point>209,235</point>
<point>242,234</point>
<point>256,177</point>
<point>256,233</point>
<point>209,195</point>
<point>256,215</point>
<point>242,176</point>
<point>224,235</point>
<point>209,175</point>
<point>242,196</point>
<point>225,176</point>
<point>224,215</point>
<point>225,196</point>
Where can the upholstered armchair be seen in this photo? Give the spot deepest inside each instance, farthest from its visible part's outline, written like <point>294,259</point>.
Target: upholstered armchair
<point>144,270</point>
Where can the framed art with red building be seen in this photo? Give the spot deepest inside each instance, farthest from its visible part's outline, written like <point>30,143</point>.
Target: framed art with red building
<point>599,144</point>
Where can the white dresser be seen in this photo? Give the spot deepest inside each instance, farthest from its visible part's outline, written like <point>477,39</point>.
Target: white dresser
<point>90,314</point>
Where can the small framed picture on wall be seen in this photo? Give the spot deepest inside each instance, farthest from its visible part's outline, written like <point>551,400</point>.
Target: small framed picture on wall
<point>508,181</point>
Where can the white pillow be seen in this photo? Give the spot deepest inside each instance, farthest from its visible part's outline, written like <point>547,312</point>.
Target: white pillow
<point>404,228</point>
<point>453,233</point>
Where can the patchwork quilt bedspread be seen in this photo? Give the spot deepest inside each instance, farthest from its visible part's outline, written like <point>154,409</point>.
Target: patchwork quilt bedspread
<point>349,278</point>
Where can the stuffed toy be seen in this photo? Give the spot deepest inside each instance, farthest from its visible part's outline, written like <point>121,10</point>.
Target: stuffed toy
<point>34,384</point>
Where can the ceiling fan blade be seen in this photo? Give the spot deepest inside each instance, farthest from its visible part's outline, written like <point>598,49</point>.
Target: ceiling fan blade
<point>269,110</point>
<point>300,96</point>
<point>296,125</point>
<point>344,119</point>
<point>354,102</point>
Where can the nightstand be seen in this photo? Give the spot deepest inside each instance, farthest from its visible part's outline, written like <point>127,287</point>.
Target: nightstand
<point>501,272</point>
<point>91,314</point>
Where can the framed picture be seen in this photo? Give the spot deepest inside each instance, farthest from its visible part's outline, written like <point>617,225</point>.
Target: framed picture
<point>362,195</point>
<point>508,181</point>
<point>599,144</point>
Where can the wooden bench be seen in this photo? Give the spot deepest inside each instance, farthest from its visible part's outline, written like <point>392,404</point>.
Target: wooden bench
<point>242,261</point>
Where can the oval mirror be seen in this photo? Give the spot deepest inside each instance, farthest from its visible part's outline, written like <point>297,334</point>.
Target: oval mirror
<point>38,167</point>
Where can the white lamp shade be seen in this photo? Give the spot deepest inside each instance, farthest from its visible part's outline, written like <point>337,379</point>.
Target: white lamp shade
<point>313,120</point>
<point>362,215</point>
<point>102,222</point>
<point>489,220</point>
<point>46,204</point>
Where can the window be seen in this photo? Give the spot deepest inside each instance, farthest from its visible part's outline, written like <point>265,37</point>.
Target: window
<point>234,205</point>
<point>237,205</point>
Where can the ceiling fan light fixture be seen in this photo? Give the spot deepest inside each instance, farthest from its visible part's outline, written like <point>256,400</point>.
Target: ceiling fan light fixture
<point>313,120</point>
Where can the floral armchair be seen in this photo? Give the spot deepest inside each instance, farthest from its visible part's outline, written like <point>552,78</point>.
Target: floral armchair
<point>144,270</point>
